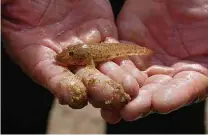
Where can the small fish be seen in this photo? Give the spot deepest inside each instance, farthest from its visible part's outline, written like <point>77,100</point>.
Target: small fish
<point>87,54</point>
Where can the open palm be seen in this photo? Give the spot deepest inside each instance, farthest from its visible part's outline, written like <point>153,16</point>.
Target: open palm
<point>177,31</point>
<point>36,30</point>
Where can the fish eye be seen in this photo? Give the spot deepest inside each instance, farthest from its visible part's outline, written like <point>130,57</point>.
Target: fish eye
<point>71,53</point>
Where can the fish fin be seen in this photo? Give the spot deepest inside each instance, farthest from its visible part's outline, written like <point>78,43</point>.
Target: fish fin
<point>91,62</point>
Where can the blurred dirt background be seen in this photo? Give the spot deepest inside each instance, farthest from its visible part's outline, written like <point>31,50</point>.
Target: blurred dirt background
<point>64,120</point>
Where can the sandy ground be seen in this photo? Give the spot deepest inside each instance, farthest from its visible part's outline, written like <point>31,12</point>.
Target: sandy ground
<point>64,120</point>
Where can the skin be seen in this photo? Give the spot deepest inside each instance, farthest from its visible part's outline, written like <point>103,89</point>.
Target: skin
<point>43,29</point>
<point>177,31</point>
<point>178,74</point>
<point>87,54</point>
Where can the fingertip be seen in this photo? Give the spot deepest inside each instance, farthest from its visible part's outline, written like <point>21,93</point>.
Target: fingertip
<point>129,116</point>
<point>67,87</point>
<point>138,107</point>
<point>110,116</point>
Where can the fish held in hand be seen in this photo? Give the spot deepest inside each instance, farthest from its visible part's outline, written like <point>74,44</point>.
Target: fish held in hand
<point>89,54</point>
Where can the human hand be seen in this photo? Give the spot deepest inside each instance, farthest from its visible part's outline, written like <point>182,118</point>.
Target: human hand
<point>35,31</point>
<point>177,31</point>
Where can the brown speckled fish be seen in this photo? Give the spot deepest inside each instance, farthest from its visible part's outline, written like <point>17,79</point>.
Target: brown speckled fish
<point>87,54</point>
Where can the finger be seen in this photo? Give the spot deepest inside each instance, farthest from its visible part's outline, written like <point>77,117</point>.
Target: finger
<point>142,104</point>
<point>38,61</point>
<point>158,79</point>
<point>119,75</point>
<point>191,66</point>
<point>115,72</point>
<point>89,32</point>
<point>102,90</point>
<point>71,37</point>
<point>184,86</point>
<point>111,116</point>
<point>138,106</point>
<point>159,69</point>
<point>128,66</point>
<point>68,38</point>
<point>141,62</point>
